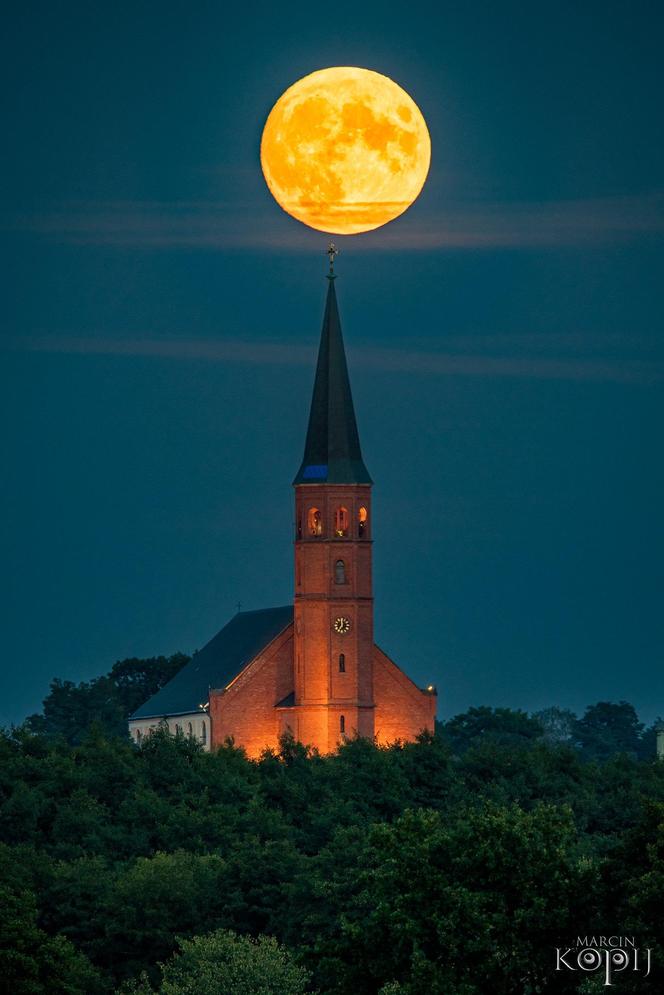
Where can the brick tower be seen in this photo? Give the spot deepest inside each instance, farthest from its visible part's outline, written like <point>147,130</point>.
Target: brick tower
<point>333,616</point>
<point>310,669</point>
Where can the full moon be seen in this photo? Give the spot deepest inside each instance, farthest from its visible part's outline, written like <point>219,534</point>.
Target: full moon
<point>345,150</point>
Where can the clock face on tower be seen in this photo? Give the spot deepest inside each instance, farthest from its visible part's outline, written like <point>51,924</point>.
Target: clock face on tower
<point>341,624</point>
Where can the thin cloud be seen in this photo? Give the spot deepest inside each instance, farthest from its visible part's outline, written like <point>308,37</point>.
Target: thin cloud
<point>215,350</point>
<point>385,360</point>
<point>535,224</point>
<point>476,225</point>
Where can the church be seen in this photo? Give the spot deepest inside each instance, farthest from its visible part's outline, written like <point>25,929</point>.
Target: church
<point>311,668</point>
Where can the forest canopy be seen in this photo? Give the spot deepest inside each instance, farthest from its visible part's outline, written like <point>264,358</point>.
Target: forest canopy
<point>454,865</point>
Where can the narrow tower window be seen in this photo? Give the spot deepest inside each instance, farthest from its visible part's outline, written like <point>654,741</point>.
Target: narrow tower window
<point>314,522</point>
<point>342,724</point>
<point>340,572</point>
<point>342,663</point>
<point>341,522</point>
<point>362,522</point>
<point>203,733</point>
<point>299,528</point>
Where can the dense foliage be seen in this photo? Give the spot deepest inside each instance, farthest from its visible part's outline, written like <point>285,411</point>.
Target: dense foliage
<point>70,708</point>
<point>450,866</point>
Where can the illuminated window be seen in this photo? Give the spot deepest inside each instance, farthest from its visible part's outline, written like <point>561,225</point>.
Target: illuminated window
<point>342,663</point>
<point>341,522</point>
<point>340,572</point>
<point>314,522</point>
<point>203,733</point>
<point>342,724</point>
<point>362,517</point>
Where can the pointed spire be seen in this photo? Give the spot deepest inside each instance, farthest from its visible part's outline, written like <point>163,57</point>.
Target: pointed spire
<point>332,450</point>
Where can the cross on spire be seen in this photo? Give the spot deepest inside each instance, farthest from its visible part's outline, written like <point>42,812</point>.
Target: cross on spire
<point>332,253</point>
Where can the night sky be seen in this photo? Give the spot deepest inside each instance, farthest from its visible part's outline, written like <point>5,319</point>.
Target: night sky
<point>161,315</point>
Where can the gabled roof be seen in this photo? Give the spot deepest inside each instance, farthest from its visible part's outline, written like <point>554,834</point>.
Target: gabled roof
<point>332,450</point>
<point>220,660</point>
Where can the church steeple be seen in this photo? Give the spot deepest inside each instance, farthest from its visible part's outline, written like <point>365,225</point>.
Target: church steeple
<point>332,450</point>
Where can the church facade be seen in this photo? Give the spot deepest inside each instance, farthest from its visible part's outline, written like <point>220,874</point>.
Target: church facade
<point>311,668</point>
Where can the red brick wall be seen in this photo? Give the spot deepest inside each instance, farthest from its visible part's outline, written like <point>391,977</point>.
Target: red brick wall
<point>319,600</point>
<point>312,726</point>
<point>319,726</point>
<point>402,709</point>
<point>245,711</point>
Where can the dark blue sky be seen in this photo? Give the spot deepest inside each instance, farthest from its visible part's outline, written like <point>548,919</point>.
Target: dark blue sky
<point>160,318</point>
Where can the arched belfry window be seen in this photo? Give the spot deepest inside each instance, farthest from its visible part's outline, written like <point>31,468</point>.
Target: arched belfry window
<point>341,522</point>
<point>203,733</point>
<point>342,724</point>
<point>314,522</point>
<point>362,522</point>
<point>342,663</point>
<point>340,572</point>
<point>190,729</point>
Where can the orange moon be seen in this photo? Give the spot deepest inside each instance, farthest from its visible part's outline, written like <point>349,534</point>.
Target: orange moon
<point>345,150</point>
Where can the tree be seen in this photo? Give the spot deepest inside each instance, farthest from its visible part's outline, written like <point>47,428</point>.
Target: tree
<point>633,882</point>
<point>398,870</point>
<point>69,709</point>
<point>457,904</point>
<point>137,680</point>
<point>557,723</point>
<point>33,963</point>
<point>154,900</point>
<point>224,963</point>
<point>500,725</point>
<point>648,744</point>
<point>645,892</point>
<point>607,728</point>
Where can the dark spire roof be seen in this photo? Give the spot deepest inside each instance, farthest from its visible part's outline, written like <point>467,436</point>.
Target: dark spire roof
<point>332,451</point>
